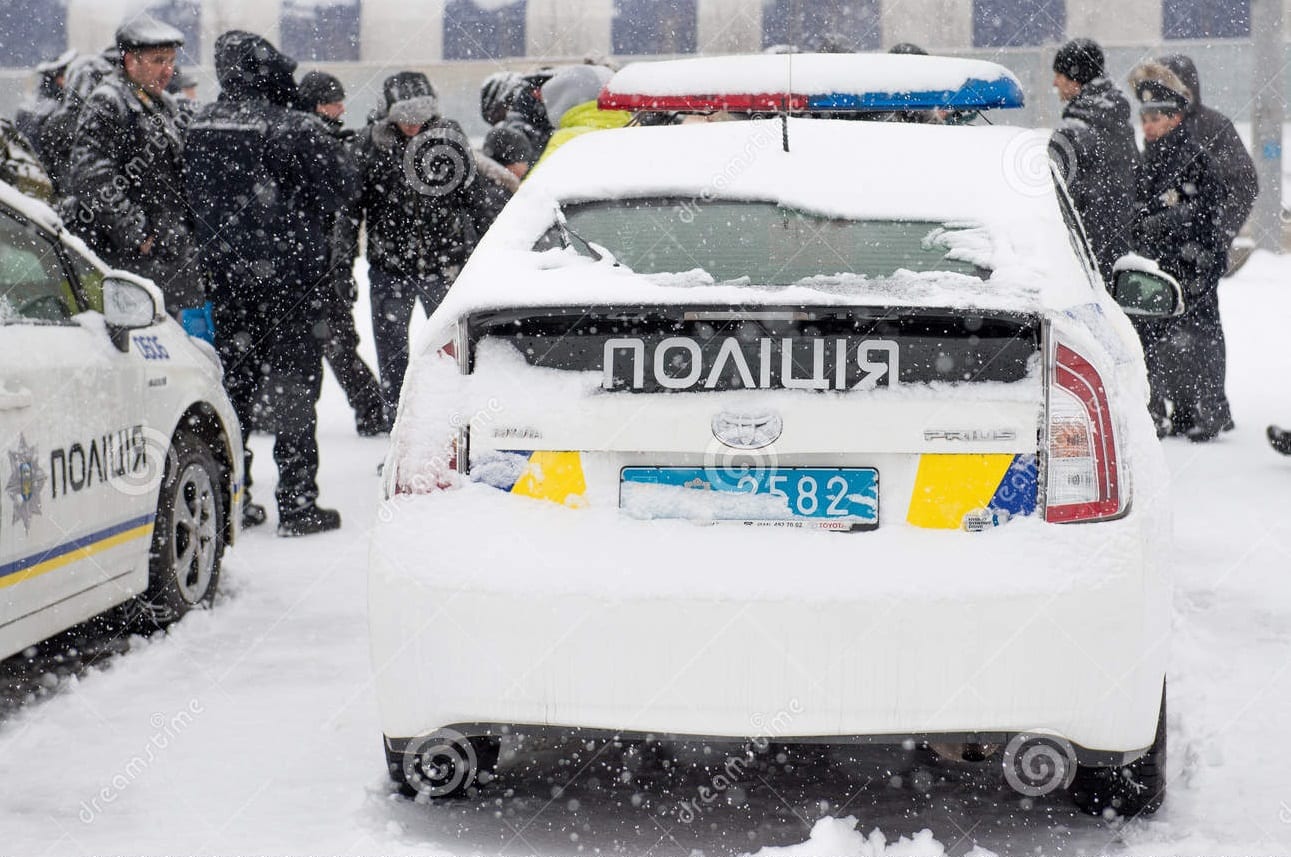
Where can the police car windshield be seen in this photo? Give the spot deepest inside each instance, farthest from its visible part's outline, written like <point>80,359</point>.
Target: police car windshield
<point>762,242</point>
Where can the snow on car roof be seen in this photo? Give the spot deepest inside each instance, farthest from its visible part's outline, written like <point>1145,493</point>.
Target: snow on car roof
<point>817,82</point>
<point>32,209</point>
<point>995,178</point>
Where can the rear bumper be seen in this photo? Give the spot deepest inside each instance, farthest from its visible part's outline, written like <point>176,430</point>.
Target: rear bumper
<point>723,631</point>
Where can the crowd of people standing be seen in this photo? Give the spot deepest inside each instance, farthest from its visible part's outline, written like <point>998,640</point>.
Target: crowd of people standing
<point>247,212</point>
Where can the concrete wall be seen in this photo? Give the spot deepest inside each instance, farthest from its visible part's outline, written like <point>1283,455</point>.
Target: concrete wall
<point>568,28</point>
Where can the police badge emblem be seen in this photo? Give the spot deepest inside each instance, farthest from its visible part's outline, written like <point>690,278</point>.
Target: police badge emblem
<point>26,479</point>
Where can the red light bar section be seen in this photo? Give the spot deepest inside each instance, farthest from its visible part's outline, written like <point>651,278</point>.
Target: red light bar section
<point>767,102</point>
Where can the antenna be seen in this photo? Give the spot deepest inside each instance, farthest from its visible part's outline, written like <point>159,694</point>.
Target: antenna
<point>784,113</point>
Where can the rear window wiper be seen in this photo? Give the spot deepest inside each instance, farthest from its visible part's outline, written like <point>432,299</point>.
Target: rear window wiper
<point>568,237</point>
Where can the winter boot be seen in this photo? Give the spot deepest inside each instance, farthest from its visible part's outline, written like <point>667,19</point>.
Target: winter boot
<point>307,520</point>
<point>253,514</point>
<point>372,423</point>
<point>1280,439</point>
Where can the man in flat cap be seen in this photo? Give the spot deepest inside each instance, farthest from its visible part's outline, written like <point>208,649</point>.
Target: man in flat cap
<point>126,167</point>
<point>1180,224</point>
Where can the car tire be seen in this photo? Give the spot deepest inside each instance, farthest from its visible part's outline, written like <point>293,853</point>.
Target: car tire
<point>1127,790</point>
<point>188,535</point>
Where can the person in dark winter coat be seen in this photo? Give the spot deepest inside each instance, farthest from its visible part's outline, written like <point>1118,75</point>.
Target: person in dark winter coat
<point>1216,135</point>
<point>323,94</point>
<point>425,204</point>
<point>527,114</point>
<point>506,145</point>
<point>126,168</point>
<point>53,78</point>
<point>265,181</point>
<point>59,131</point>
<point>1095,151</point>
<point>1179,224</point>
<point>1214,132</point>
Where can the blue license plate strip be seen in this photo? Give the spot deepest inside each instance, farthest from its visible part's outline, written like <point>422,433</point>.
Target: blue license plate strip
<point>818,495</point>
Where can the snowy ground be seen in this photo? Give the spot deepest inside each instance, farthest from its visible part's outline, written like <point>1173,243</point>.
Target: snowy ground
<point>252,727</point>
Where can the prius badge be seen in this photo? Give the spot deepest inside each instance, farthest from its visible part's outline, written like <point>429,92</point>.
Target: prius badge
<point>749,430</point>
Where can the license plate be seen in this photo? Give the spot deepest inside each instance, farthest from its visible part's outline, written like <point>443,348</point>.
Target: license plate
<point>820,497</point>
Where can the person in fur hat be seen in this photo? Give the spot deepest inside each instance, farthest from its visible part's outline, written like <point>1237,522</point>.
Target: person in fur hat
<point>1215,133</point>
<point>1179,223</point>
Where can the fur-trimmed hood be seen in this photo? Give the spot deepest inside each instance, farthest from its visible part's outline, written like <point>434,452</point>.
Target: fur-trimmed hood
<point>1158,74</point>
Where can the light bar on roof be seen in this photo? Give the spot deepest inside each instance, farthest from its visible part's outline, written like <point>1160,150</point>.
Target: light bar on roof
<point>826,83</point>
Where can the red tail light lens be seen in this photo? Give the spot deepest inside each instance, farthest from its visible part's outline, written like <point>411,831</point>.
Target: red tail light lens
<point>434,466</point>
<point>1084,481</point>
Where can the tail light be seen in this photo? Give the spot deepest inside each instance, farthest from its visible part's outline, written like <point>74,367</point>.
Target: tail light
<point>1083,481</point>
<point>423,467</point>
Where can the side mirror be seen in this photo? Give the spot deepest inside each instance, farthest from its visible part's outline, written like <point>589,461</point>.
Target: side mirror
<point>1142,289</point>
<point>127,306</point>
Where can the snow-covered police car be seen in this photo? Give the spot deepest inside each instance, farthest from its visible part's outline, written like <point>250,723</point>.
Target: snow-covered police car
<point>686,357</point>
<point>119,453</point>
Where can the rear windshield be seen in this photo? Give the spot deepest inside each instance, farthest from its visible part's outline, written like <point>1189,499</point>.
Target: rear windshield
<point>762,242</point>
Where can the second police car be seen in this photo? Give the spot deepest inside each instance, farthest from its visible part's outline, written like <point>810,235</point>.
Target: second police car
<point>120,457</point>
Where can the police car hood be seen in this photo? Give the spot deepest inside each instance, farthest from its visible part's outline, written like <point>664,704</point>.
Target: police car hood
<point>992,182</point>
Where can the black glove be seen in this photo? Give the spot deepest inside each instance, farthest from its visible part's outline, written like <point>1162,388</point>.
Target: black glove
<point>347,290</point>
<point>1149,231</point>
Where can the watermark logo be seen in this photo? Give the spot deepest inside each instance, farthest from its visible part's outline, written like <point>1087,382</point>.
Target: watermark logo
<point>1037,764</point>
<point>1030,159</point>
<point>440,764</point>
<point>439,161</point>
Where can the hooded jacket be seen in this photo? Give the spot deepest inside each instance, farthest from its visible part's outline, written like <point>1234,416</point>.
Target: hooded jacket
<point>1178,222</point>
<point>1095,150</point>
<point>1216,135</point>
<point>54,145</point>
<point>265,182</point>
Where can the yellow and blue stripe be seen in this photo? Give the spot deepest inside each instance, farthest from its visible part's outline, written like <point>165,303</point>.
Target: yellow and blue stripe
<point>64,554</point>
<point>948,487</point>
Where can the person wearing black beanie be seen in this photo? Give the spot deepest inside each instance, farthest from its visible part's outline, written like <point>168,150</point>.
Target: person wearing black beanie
<point>1080,60</point>
<point>1094,149</point>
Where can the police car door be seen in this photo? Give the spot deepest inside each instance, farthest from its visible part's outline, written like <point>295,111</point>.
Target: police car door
<point>75,519</point>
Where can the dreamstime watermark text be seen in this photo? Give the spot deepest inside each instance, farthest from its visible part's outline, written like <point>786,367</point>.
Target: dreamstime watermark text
<point>167,729</point>
<point>737,765</point>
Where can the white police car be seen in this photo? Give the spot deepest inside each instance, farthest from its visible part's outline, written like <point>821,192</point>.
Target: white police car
<point>119,452</point>
<point>784,328</point>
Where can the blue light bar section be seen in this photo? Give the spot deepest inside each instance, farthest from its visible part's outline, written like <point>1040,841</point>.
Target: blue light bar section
<point>973,95</point>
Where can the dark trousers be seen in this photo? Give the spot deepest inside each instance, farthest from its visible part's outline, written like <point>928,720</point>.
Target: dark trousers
<point>273,372</point>
<point>393,297</point>
<point>362,390</point>
<point>1187,365</point>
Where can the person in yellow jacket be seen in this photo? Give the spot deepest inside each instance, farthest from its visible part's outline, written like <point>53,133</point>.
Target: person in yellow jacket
<point>570,98</point>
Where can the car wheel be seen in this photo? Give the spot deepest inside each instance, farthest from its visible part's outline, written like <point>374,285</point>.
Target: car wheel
<point>446,764</point>
<point>188,536</point>
<point>1129,790</point>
